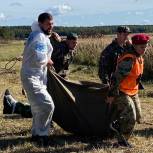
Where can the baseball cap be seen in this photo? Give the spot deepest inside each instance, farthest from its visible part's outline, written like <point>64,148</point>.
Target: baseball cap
<point>72,36</point>
<point>123,29</point>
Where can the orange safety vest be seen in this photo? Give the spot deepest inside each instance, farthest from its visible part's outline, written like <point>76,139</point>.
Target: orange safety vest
<point>129,84</point>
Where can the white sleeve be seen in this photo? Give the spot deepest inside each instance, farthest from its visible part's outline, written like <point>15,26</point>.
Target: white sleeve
<point>40,51</point>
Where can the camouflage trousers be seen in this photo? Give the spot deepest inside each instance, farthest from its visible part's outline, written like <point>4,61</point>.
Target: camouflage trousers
<point>137,104</point>
<point>126,109</point>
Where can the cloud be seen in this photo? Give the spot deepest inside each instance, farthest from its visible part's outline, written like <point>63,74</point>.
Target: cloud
<point>59,10</point>
<point>137,1</point>
<point>139,13</point>
<point>2,17</point>
<point>126,22</point>
<point>146,21</point>
<point>16,4</point>
<point>101,23</point>
<point>129,13</point>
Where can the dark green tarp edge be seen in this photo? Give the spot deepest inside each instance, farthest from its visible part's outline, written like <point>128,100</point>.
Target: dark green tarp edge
<point>80,108</point>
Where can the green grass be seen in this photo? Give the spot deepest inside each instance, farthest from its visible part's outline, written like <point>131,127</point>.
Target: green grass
<point>15,131</point>
<point>10,50</point>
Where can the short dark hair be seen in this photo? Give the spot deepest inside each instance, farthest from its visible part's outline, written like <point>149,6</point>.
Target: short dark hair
<point>44,16</point>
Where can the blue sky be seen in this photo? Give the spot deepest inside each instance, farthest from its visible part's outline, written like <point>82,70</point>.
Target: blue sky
<point>77,12</point>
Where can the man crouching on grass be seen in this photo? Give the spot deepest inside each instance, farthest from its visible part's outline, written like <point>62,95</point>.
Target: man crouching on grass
<point>36,58</point>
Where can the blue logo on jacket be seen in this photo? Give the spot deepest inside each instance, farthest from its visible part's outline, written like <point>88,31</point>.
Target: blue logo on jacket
<point>41,47</point>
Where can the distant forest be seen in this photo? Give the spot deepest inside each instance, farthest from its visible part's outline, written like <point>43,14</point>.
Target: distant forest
<point>22,32</point>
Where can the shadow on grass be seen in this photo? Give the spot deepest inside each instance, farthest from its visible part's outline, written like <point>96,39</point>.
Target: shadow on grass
<point>12,116</point>
<point>9,142</point>
<point>58,143</point>
<point>147,132</point>
<point>70,138</point>
<point>72,141</point>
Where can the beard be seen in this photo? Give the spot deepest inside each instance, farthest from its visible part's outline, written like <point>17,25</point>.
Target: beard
<point>46,32</point>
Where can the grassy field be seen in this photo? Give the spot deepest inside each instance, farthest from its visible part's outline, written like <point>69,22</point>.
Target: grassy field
<point>15,131</point>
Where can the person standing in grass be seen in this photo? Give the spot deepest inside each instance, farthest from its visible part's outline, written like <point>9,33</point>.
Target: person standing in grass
<point>36,58</point>
<point>123,94</point>
<point>108,57</point>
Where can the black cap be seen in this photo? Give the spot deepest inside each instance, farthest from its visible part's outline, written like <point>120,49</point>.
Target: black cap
<point>72,36</point>
<point>123,29</point>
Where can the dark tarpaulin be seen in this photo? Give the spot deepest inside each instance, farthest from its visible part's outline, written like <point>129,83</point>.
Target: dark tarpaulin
<point>80,108</point>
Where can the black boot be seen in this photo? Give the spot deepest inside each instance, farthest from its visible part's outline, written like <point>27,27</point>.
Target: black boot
<point>8,103</point>
<point>41,141</point>
<point>115,126</point>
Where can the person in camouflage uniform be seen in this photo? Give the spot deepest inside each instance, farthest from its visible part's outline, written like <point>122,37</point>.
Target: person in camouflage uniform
<point>123,94</point>
<point>63,54</point>
<point>108,57</point>
<point>108,60</point>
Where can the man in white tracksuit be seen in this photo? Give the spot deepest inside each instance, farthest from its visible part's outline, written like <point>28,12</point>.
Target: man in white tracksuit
<point>36,58</point>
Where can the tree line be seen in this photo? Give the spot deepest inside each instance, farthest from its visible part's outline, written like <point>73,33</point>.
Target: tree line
<point>22,32</point>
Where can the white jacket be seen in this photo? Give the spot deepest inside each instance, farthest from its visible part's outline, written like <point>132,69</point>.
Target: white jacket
<point>36,54</point>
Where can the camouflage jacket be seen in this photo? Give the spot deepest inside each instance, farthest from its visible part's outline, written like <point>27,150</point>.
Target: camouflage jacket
<point>108,60</point>
<point>62,56</point>
<point>122,70</point>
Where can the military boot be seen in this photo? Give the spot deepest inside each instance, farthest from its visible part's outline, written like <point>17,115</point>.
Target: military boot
<point>8,103</point>
<point>122,139</point>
